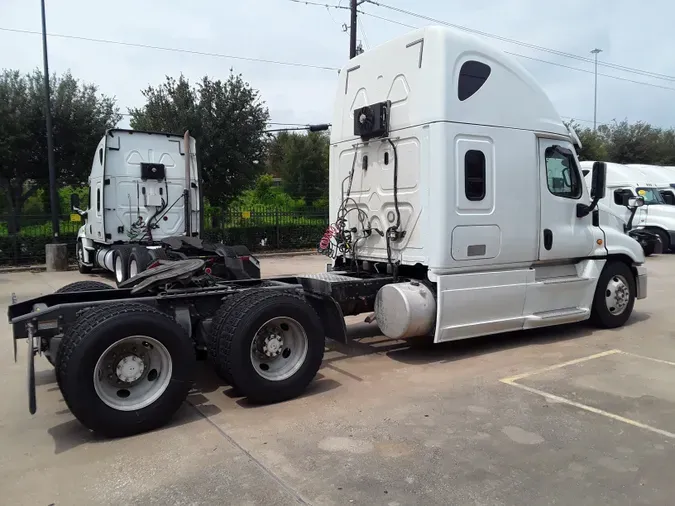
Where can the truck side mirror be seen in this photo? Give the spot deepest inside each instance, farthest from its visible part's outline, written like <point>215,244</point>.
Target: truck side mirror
<point>74,201</point>
<point>635,202</point>
<point>598,180</point>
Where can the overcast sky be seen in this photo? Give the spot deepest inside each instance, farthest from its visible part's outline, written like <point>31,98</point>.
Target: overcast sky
<point>638,37</point>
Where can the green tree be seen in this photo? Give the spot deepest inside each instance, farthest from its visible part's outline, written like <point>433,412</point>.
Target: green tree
<point>632,143</point>
<point>301,160</point>
<point>80,117</point>
<point>593,144</point>
<point>227,119</point>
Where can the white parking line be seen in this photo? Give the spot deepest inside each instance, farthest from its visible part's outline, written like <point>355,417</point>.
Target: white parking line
<point>647,358</point>
<point>558,366</point>
<point>597,411</point>
<point>512,381</point>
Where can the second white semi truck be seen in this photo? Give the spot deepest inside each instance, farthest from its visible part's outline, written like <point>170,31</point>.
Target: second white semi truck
<point>145,206</point>
<point>656,216</point>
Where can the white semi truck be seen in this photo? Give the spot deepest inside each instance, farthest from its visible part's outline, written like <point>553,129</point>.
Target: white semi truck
<point>145,206</point>
<point>662,177</point>
<point>460,210</point>
<point>655,216</point>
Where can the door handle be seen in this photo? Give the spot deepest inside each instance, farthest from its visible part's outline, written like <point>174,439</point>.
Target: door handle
<point>548,239</point>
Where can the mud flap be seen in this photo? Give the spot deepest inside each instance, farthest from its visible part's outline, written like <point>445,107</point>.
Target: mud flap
<point>14,301</point>
<point>32,402</point>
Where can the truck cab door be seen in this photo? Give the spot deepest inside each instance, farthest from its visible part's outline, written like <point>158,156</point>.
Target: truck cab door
<point>562,235</point>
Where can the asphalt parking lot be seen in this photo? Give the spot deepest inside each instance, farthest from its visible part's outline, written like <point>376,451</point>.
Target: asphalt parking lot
<point>569,415</point>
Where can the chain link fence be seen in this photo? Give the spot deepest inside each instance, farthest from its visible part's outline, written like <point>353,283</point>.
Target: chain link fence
<point>258,228</point>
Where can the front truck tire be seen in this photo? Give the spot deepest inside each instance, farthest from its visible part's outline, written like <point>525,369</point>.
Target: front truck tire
<point>614,295</point>
<point>79,254</point>
<point>267,344</point>
<point>125,368</point>
<point>665,238</point>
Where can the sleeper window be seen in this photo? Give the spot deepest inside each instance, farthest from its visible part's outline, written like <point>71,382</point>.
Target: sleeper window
<point>474,175</point>
<point>472,77</point>
<point>562,175</point>
<point>98,200</point>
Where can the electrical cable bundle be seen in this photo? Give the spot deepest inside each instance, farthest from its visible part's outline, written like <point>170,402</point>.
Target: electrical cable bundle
<point>337,240</point>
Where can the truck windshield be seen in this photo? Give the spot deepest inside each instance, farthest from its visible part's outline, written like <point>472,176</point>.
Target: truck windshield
<point>651,196</point>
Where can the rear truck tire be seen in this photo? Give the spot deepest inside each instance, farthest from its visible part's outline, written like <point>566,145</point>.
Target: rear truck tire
<point>268,344</point>
<point>79,254</point>
<point>614,296</point>
<point>125,368</point>
<point>139,260</point>
<point>121,264</point>
<point>79,286</point>
<point>213,344</point>
<point>84,286</point>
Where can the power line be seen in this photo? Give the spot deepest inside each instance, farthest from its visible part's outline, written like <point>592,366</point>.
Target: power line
<point>275,123</point>
<point>327,6</point>
<point>173,49</point>
<point>363,34</point>
<point>591,72</point>
<point>533,58</point>
<point>584,120</point>
<point>622,68</point>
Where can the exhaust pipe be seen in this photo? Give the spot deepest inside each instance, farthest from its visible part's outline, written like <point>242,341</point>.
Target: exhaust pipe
<point>186,191</point>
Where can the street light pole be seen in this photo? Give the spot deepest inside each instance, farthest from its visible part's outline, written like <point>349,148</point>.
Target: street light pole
<point>53,196</point>
<point>595,101</point>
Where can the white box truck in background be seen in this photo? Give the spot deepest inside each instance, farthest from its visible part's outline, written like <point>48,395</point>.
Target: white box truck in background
<point>460,211</point>
<point>145,206</point>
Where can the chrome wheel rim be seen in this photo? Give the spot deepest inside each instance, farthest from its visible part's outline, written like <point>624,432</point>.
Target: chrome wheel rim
<point>119,273</point>
<point>279,349</point>
<point>617,295</point>
<point>133,268</point>
<point>132,373</point>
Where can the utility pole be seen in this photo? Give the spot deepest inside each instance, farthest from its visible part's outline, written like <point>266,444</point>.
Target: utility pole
<point>352,29</point>
<point>56,254</point>
<point>354,49</point>
<point>595,101</point>
<point>53,195</point>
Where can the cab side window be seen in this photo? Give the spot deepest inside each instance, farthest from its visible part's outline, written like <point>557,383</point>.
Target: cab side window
<point>562,174</point>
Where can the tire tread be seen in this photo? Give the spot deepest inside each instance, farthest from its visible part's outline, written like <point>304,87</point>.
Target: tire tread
<point>84,286</point>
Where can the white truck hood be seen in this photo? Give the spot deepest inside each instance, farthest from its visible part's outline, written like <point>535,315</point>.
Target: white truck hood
<point>661,215</point>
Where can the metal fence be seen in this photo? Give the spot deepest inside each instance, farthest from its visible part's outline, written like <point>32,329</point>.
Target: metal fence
<point>259,228</point>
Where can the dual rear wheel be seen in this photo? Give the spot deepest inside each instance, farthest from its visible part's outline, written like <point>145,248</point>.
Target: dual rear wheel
<point>125,367</point>
<point>267,344</point>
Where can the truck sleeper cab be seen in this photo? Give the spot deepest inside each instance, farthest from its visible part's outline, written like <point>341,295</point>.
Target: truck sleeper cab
<point>449,164</point>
